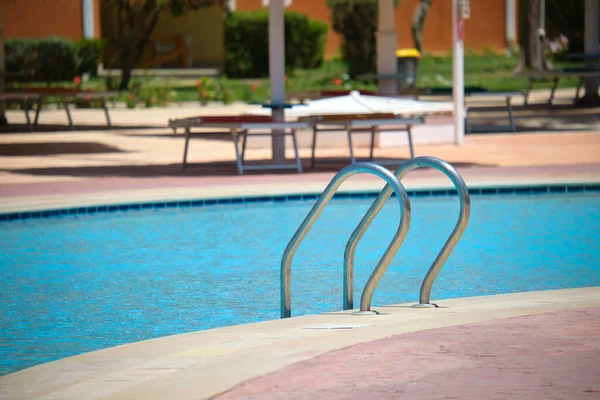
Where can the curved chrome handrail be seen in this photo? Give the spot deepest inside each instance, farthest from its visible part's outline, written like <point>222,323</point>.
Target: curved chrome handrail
<point>438,263</point>
<point>393,184</point>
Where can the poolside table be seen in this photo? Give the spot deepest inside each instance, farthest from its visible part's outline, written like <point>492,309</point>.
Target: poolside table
<point>361,123</point>
<point>66,96</point>
<point>242,127</point>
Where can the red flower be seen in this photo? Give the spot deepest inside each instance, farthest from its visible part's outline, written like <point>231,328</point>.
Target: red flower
<point>131,96</point>
<point>77,81</point>
<point>198,82</point>
<point>337,81</point>
<point>88,98</point>
<point>285,78</point>
<point>254,87</point>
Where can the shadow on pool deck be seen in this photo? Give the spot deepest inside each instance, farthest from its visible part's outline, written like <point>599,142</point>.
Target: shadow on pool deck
<point>551,355</point>
<point>195,169</point>
<point>27,149</point>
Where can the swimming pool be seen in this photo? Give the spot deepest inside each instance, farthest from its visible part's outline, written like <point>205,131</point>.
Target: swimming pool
<point>79,283</point>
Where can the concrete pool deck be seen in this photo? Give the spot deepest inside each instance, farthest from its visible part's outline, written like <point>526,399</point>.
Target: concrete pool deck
<point>524,345</point>
<point>487,347</point>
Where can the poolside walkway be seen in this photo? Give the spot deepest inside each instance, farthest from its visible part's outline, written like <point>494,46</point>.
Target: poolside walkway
<point>544,356</point>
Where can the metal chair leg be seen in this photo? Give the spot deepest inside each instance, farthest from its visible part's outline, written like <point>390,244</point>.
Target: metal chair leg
<point>108,123</point>
<point>511,118</point>
<point>349,131</point>
<point>410,141</point>
<point>298,159</point>
<point>240,164</point>
<point>185,148</point>
<point>26,111</point>
<point>66,105</point>
<point>373,131</point>
<point>244,138</point>
<point>314,146</point>
<point>37,111</point>
<point>554,86</point>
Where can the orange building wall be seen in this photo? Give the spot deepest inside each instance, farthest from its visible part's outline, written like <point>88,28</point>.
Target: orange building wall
<point>42,18</point>
<point>484,30</point>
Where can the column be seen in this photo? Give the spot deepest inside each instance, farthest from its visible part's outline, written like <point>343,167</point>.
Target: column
<point>386,46</point>
<point>87,10</point>
<point>277,73</point>
<point>458,73</point>
<point>510,24</point>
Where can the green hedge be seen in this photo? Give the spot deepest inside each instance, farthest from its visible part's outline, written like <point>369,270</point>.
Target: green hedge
<point>50,60</point>
<point>356,21</point>
<point>247,43</point>
<point>89,54</point>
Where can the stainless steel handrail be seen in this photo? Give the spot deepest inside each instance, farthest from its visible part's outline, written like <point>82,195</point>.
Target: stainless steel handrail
<point>393,184</point>
<point>438,263</point>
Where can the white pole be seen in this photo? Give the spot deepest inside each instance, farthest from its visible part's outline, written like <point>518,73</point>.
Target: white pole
<point>277,73</point>
<point>510,24</point>
<point>590,41</point>
<point>458,74</point>
<point>87,9</point>
<point>386,47</point>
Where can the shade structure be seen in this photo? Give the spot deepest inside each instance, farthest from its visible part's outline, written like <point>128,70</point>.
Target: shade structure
<point>356,103</point>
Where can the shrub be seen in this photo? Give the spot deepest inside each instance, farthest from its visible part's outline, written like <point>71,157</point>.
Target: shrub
<point>356,21</point>
<point>247,46</point>
<point>88,53</point>
<point>56,60</point>
<point>21,59</point>
<point>247,43</point>
<point>45,60</point>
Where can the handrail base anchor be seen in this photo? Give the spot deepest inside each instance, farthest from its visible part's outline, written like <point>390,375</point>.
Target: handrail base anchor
<point>425,305</point>
<point>370,312</point>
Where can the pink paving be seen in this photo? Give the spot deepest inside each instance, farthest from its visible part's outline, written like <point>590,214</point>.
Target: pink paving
<point>544,356</point>
<point>476,174</point>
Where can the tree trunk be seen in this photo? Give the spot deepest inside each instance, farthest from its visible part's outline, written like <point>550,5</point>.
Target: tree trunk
<point>132,54</point>
<point>418,21</point>
<point>126,70</point>
<point>531,37</point>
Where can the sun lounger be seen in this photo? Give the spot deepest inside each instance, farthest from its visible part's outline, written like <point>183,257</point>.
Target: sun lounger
<point>23,98</point>
<point>67,96</point>
<point>361,123</point>
<point>242,127</point>
<point>481,94</point>
<point>554,76</point>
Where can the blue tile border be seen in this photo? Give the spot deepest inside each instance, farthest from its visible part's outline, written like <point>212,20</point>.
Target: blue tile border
<point>484,191</point>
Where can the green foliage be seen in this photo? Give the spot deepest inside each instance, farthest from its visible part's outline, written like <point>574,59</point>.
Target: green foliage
<point>21,58</point>
<point>356,21</point>
<point>247,43</point>
<point>51,59</point>
<point>149,94</point>
<point>56,60</point>
<point>247,47</point>
<point>305,41</point>
<point>89,54</point>
<point>45,60</point>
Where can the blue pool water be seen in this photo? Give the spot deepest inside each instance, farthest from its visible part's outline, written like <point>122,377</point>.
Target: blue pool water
<point>80,283</point>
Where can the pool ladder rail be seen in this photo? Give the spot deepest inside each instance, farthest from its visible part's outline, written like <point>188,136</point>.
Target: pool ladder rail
<point>393,185</point>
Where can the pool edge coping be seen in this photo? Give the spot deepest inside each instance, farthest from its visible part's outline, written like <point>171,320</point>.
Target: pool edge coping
<point>81,205</point>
